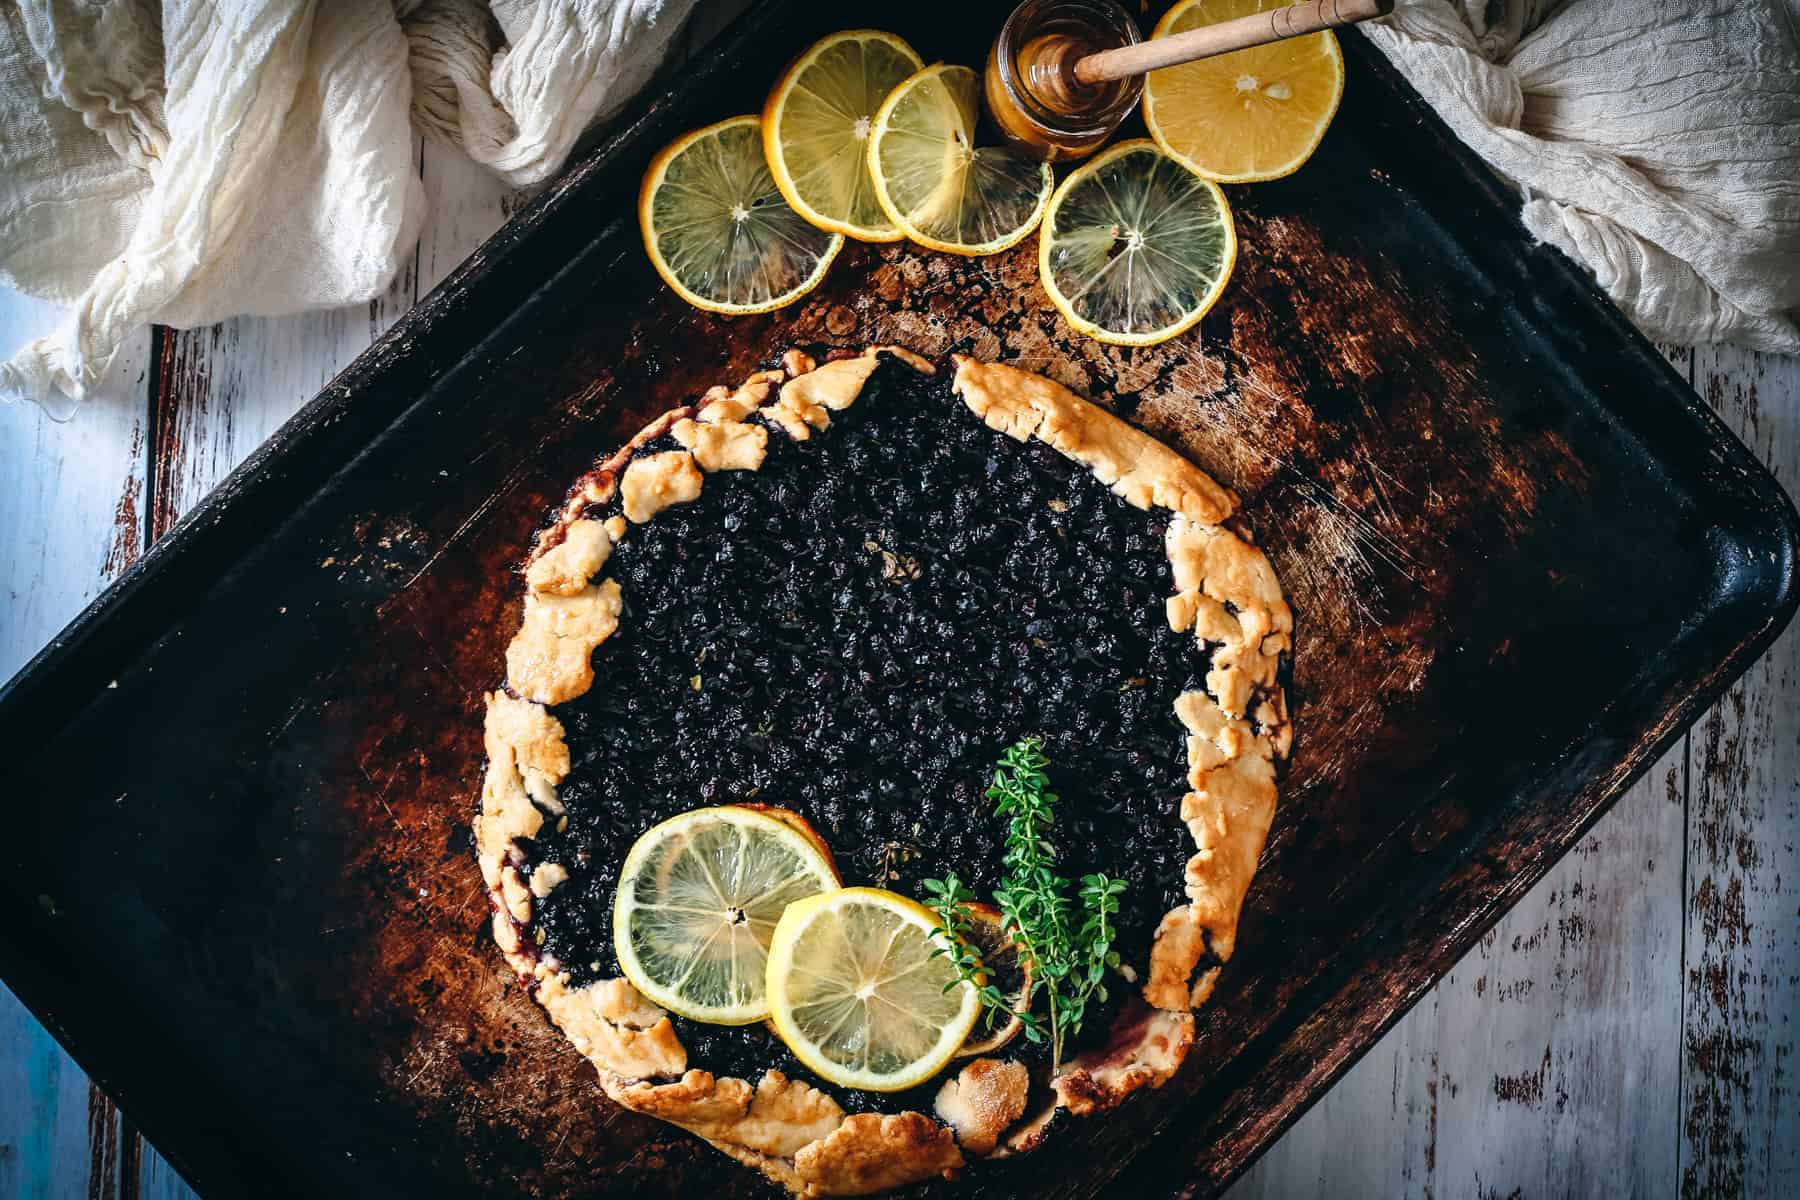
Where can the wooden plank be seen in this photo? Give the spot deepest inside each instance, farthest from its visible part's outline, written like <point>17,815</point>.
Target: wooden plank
<point>1456,1100</point>
<point>1565,1083</point>
<point>71,495</point>
<point>71,519</point>
<point>43,1110</point>
<point>157,1180</point>
<point>79,503</point>
<point>1740,1123</point>
<point>468,203</point>
<point>220,392</point>
<point>223,390</point>
<point>1545,1062</point>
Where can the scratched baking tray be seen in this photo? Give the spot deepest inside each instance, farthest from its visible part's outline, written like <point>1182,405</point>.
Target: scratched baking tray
<point>237,880</point>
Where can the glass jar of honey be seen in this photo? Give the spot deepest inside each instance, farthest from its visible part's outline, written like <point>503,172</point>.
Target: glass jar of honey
<point>1036,101</point>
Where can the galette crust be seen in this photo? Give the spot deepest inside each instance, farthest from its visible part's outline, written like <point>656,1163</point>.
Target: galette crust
<point>1139,469</point>
<point>872,1152</point>
<point>642,1052</point>
<point>622,1004</point>
<point>534,736</point>
<point>1143,1052</point>
<point>777,1118</point>
<point>565,568</point>
<point>984,1099</point>
<point>1226,595</point>
<point>796,1134</point>
<point>526,753</point>
<point>547,878</point>
<point>723,445</point>
<point>807,401</point>
<point>1214,568</point>
<point>550,659</point>
<point>658,481</point>
<point>1148,1055</point>
<point>723,404</point>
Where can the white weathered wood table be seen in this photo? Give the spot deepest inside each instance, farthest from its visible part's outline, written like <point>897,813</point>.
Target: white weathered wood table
<point>1630,1028</point>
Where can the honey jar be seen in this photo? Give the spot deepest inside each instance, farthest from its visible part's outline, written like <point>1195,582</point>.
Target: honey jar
<point>1032,93</point>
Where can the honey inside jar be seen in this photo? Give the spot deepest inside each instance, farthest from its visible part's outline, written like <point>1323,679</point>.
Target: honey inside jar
<point>1036,101</point>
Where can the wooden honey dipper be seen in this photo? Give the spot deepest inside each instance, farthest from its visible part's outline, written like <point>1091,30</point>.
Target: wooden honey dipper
<point>1061,66</point>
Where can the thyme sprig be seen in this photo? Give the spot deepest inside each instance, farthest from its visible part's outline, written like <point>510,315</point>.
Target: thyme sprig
<point>1068,951</point>
<point>950,900</point>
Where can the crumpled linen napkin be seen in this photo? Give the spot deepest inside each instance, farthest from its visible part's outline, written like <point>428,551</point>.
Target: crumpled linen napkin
<point>1656,142</point>
<point>186,162</point>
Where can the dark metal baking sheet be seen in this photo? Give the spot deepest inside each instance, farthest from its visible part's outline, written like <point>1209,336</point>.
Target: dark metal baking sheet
<point>237,880</point>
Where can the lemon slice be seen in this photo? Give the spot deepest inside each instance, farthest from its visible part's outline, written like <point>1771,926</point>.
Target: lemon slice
<point>699,896</point>
<point>1002,965</point>
<point>859,995</point>
<point>717,229</point>
<point>816,127</point>
<point>1248,115</point>
<point>934,182</point>
<point>1135,248</point>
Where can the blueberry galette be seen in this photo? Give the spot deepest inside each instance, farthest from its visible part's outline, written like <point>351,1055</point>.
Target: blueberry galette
<point>838,592</point>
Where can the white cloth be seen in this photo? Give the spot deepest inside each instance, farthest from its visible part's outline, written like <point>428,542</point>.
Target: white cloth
<point>188,162</point>
<point>1656,142</point>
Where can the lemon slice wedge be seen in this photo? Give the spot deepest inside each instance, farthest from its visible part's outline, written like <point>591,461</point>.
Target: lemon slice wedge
<point>816,126</point>
<point>940,188</point>
<point>698,901</point>
<point>1249,115</point>
<point>717,229</point>
<point>1003,966</point>
<point>859,993</point>
<point>1135,247</point>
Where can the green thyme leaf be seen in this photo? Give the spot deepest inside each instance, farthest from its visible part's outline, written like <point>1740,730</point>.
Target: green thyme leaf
<point>1068,959</point>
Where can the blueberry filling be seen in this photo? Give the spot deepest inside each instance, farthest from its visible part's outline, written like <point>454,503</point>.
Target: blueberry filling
<point>856,632</point>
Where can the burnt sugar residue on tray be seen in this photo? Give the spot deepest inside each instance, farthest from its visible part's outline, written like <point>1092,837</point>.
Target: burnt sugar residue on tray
<point>856,632</point>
